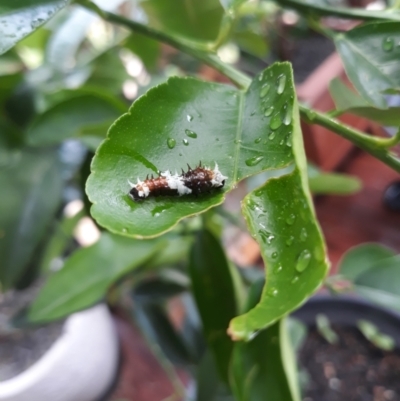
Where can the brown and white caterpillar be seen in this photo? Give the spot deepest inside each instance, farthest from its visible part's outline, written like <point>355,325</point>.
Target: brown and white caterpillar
<point>195,181</point>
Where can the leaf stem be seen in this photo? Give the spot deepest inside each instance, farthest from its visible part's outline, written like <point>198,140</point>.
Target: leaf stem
<point>372,145</point>
<point>198,50</point>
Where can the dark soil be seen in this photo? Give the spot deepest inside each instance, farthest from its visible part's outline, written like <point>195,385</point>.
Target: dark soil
<point>351,370</point>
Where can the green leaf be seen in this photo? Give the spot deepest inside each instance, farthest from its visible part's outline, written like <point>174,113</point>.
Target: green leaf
<point>361,258</point>
<point>30,182</point>
<point>214,292</point>
<point>87,275</point>
<point>347,101</point>
<point>264,368</point>
<point>189,18</point>
<point>72,117</point>
<point>281,217</point>
<point>318,7</point>
<point>334,183</point>
<point>370,55</point>
<point>18,18</point>
<point>231,128</point>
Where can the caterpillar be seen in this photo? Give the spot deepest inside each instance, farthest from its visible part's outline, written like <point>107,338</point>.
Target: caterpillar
<point>194,181</point>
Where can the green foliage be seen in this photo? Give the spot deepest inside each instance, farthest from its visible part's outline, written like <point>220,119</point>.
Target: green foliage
<point>374,272</point>
<point>30,184</point>
<point>21,17</point>
<point>370,53</point>
<point>87,275</point>
<point>248,130</point>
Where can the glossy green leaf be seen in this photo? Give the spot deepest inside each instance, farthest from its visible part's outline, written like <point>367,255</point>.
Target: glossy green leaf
<point>190,18</point>
<point>348,101</point>
<point>73,117</point>
<point>292,248</point>
<point>18,18</point>
<point>87,275</point>
<point>318,7</point>
<point>214,291</point>
<point>362,258</point>
<point>264,368</point>
<point>30,182</point>
<point>186,121</point>
<point>370,55</point>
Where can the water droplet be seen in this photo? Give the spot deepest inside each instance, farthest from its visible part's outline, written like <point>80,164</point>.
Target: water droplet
<point>290,240</point>
<point>190,133</point>
<point>272,292</point>
<point>290,219</point>
<point>289,140</point>
<point>252,114</point>
<point>278,268</point>
<point>217,139</point>
<point>251,204</point>
<point>269,111</point>
<point>303,260</point>
<point>185,142</point>
<point>189,117</point>
<point>287,119</point>
<point>124,230</point>
<point>281,142</point>
<point>303,234</point>
<point>274,255</point>
<point>237,141</point>
<point>264,90</point>
<point>388,44</point>
<point>258,193</point>
<point>253,161</point>
<point>266,236</point>
<point>275,122</point>
<point>180,154</point>
<point>258,140</point>
<point>261,76</point>
<point>281,84</point>
<point>156,214</point>
<point>171,143</point>
<point>271,136</point>
<point>295,279</point>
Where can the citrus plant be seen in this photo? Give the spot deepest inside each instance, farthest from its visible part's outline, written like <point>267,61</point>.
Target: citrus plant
<point>246,127</point>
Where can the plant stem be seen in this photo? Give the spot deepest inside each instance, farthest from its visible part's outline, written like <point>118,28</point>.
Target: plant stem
<point>368,143</point>
<point>195,49</point>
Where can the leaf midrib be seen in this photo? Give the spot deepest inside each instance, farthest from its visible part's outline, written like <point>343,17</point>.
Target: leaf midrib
<point>238,136</point>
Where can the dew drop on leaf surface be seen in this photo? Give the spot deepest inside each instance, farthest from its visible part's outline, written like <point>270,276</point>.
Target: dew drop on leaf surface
<point>264,90</point>
<point>171,143</point>
<point>275,122</point>
<point>253,161</point>
<point>290,219</point>
<point>303,260</point>
<point>190,133</point>
<point>185,142</point>
<point>189,117</point>
<point>269,111</point>
<point>281,84</point>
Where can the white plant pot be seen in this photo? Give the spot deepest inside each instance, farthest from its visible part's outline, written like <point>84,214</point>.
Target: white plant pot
<point>79,366</point>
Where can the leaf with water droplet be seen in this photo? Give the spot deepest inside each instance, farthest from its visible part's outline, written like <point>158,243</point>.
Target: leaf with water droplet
<point>253,161</point>
<point>20,18</point>
<point>371,59</point>
<point>185,142</point>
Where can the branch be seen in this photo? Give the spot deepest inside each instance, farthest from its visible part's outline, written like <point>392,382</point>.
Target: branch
<point>196,49</point>
<point>372,145</point>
